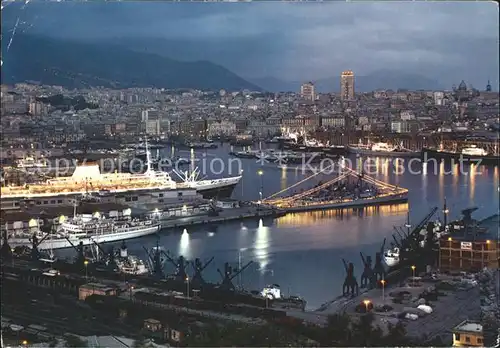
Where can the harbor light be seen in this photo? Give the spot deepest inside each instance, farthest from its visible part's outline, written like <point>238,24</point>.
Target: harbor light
<point>383,290</point>
<point>488,241</point>
<point>367,303</point>
<point>449,239</point>
<point>25,343</point>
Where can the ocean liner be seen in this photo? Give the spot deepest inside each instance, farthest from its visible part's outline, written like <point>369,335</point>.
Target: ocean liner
<point>87,179</point>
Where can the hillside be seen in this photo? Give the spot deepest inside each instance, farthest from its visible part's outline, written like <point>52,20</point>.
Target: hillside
<point>75,65</point>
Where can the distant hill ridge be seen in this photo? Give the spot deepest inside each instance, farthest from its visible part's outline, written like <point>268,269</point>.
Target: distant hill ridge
<point>75,65</point>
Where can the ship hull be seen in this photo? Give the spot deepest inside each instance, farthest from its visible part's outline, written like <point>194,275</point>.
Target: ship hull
<point>395,154</point>
<point>363,202</point>
<point>64,243</point>
<point>217,192</point>
<point>457,157</point>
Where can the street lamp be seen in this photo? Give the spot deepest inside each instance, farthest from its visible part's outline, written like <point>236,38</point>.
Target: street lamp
<point>187,287</point>
<point>261,174</point>
<point>383,290</point>
<point>413,274</point>
<point>367,303</point>
<point>449,251</point>
<point>130,289</point>
<point>241,174</point>
<point>239,264</point>
<point>86,263</point>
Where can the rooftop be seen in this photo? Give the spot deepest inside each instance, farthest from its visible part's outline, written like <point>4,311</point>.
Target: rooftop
<point>469,326</point>
<point>487,229</point>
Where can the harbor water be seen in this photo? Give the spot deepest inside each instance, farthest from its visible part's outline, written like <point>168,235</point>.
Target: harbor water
<point>303,252</point>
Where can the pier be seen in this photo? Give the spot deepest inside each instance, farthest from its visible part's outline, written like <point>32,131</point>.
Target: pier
<point>310,200</point>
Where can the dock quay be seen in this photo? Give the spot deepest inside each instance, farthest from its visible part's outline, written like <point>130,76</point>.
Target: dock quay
<point>382,200</point>
<point>225,215</point>
<point>452,299</point>
<point>335,194</point>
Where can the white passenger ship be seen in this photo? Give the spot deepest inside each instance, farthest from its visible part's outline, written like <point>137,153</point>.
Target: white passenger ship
<point>125,188</point>
<point>86,229</point>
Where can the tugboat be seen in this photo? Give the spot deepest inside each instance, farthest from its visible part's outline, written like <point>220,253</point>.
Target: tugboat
<point>130,264</point>
<point>273,293</point>
<point>391,257</point>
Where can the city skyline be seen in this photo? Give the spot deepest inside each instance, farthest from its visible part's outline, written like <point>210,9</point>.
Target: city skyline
<point>293,42</point>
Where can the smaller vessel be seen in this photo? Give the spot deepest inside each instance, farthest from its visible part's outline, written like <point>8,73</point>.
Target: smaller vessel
<point>88,229</point>
<point>471,153</point>
<point>382,149</point>
<point>271,292</point>
<point>130,264</point>
<point>391,257</point>
<point>30,163</point>
<point>473,150</point>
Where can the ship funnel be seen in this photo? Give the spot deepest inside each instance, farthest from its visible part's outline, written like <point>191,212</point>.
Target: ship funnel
<point>123,250</point>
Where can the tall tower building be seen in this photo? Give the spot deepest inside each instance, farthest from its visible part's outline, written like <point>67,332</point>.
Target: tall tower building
<point>307,91</point>
<point>347,85</point>
<point>488,87</point>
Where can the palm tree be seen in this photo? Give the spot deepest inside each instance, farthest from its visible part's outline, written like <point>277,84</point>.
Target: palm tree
<point>364,334</point>
<point>338,331</point>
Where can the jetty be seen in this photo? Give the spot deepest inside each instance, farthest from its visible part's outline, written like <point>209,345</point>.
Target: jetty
<point>347,189</point>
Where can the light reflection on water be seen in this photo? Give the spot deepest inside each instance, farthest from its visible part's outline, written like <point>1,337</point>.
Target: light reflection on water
<point>303,251</point>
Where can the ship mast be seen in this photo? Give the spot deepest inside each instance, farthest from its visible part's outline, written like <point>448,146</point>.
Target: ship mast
<point>148,159</point>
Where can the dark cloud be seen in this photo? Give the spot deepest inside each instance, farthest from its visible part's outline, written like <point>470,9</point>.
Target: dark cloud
<point>447,41</point>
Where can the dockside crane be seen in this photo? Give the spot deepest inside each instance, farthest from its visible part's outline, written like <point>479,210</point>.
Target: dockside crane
<point>180,267</point>
<point>155,260</point>
<point>229,274</point>
<point>198,268</point>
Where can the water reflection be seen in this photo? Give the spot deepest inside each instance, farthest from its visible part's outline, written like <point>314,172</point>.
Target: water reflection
<point>472,181</point>
<point>442,172</point>
<point>310,218</point>
<point>456,174</point>
<point>261,246</point>
<point>283,178</point>
<point>184,248</point>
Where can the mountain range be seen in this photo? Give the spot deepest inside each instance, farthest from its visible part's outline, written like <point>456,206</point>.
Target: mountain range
<point>128,62</point>
<point>79,64</point>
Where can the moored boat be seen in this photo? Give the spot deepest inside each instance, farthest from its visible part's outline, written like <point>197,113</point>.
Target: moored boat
<point>382,149</point>
<point>472,154</point>
<point>87,229</point>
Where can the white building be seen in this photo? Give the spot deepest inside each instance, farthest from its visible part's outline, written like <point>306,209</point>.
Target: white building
<point>407,115</point>
<point>400,127</point>
<point>150,115</point>
<point>438,98</point>
<point>153,127</point>
<point>222,128</point>
<point>333,122</point>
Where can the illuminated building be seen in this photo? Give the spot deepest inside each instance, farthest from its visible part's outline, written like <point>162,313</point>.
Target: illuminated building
<point>468,334</point>
<point>307,91</point>
<point>470,246</point>
<point>347,85</point>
